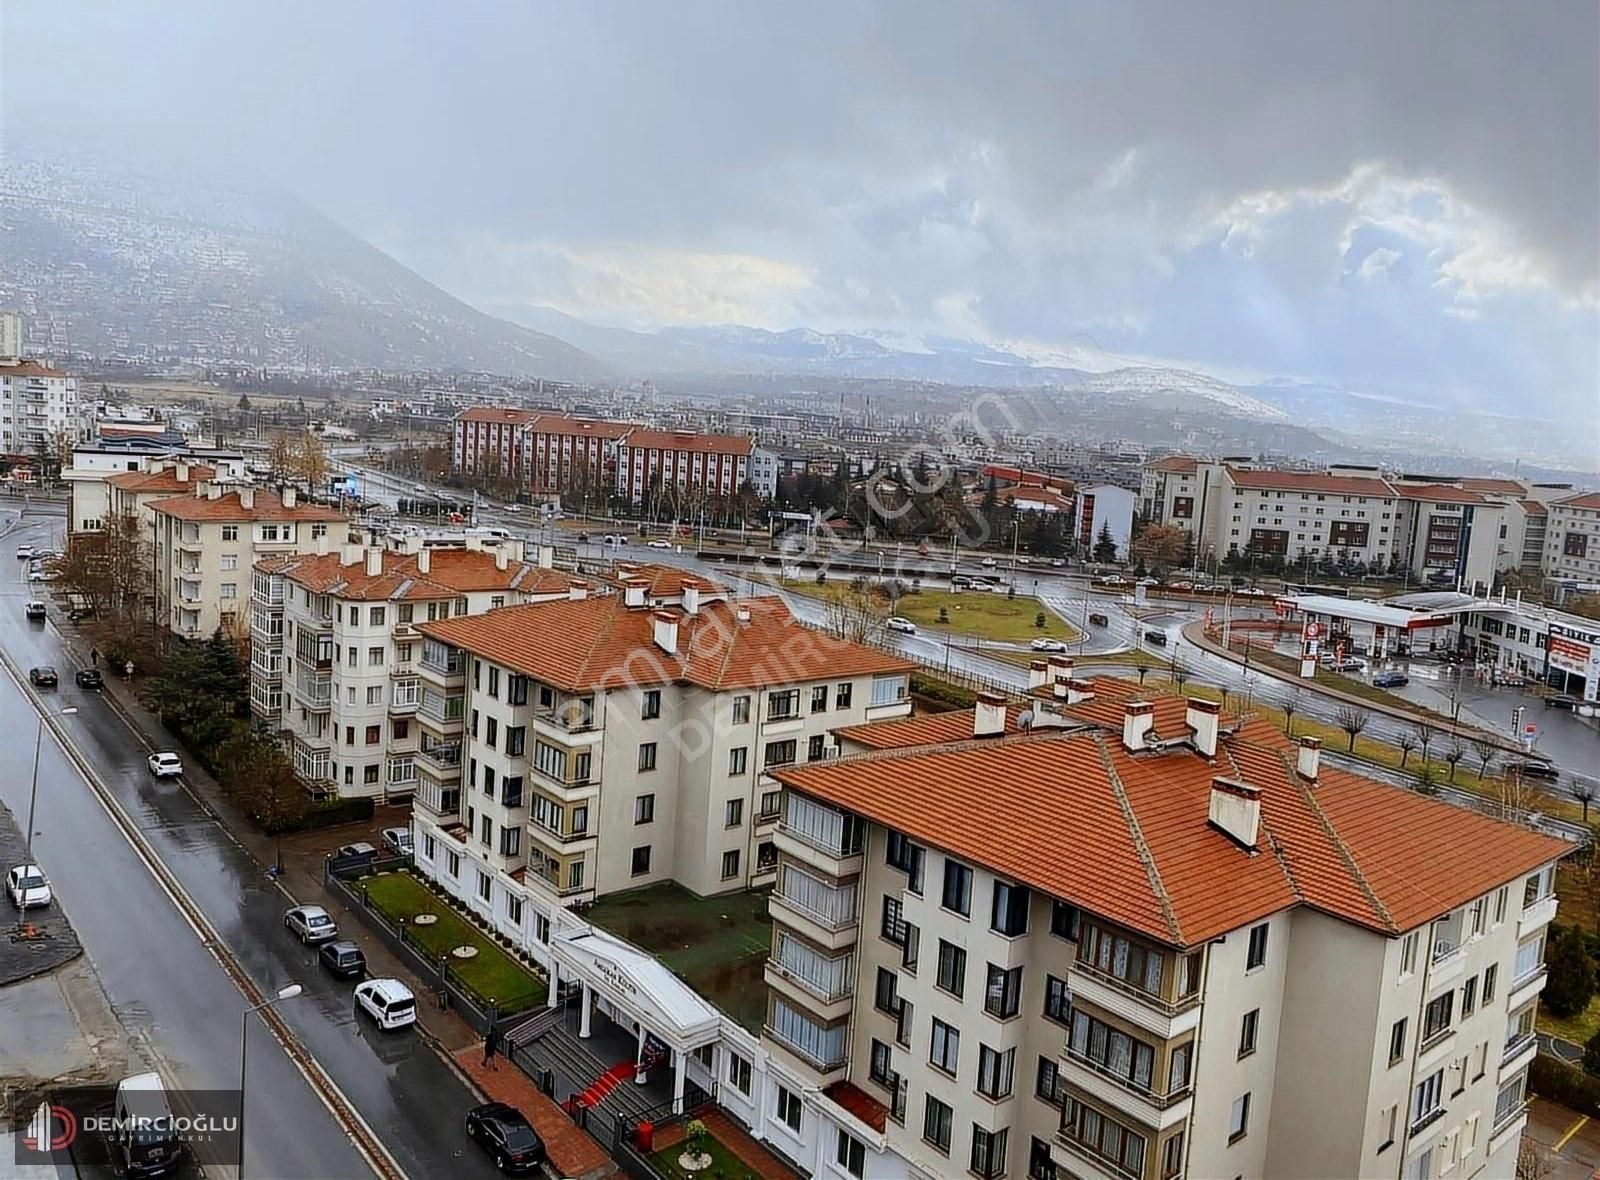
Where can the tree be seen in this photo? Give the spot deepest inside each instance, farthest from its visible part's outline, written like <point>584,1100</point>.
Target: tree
<point>855,612</point>
<point>1105,547</point>
<point>280,456</point>
<point>1454,754</point>
<point>1583,792</point>
<point>244,403</point>
<point>259,777</point>
<point>1424,734</point>
<point>1159,546</point>
<point>1039,619</point>
<point>201,693</point>
<point>1352,720</point>
<point>1484,749</point>
<point>1518,796</point>
<point>1533,1160</point>
<point>1405,741</point>
<point>1591,1055</point>
<point>1291,705</point>
<point>1570,984</point>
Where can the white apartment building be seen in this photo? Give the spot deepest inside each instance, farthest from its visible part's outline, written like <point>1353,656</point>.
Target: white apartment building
<point>38,407</point>
<point>1137,940</point>
<point>334,650</point>
<point>1452,535</point>
<point>95,464</point>
<point>1572,538</point>
<point>205,546</point>
<point>1098,506</point>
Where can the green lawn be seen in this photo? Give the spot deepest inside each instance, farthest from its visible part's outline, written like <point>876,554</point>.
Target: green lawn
<point>724,1164</point>
<point>717,945</point>
<point>977,615</point>
<point>493,973</point>
<point>1577,1029</point>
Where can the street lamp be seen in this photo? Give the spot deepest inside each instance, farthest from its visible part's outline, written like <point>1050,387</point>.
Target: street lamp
<point>287,992</point>
<point>33,798</point>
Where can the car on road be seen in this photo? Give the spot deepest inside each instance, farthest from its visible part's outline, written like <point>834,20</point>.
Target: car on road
<point>1159,638</point>
<point>1057,563</point>
<point>505,1133</point>
<point>1114,580</point>
<point>988,563</point>
<point>513,507</point>
<point>26,887</point>
<point>1534,768</point>
<point>902,624</point>
<point>960,582</point>
<point>388,1001</point>
<point>342,959</point>
<point>397,840</point>
<point>35,611</point>
<point>1254,592</point>
<point>359,852</point>
<point>43,677</point>
<point>25,552</point>
<point>310,923</point>
<point>1390,679</point>
<point>660,544</point>
<point>1044,643</point>
<point>148,1145</point>
<point>164,764</point>
<point>583,538</point>
<point>1099,620</point>
<point>89,678</point>
<point>37,575</point>
<point>1349,664</point>
<point>1183,585</point>
<point>1561,700</point>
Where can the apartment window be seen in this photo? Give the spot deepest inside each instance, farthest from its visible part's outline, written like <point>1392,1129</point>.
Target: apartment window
<point>651,706</point>
<point>1427,1098</point>
<point>819,698</point>
<point>936,1121</point>
<point>1115,955</point>
<point>374,734</point>
<point>1172,1156</point>
<point>851,1155</point>
<point>1469,997</point>
<point>957,895</point>
<point>1420,1167</point>
<point>783,704</point>
<point>516,690</point>
<point>350,734</point>
<point>1247,1032</point>
<point>1112,1049</point>
<point>739,1073</point>
<point>1502,898</point>
<point>814,747</point>
<point>510,841</point>
<point>1102,1137</point>
<point>944,1047</point>
<point>741,710</point>
<point>1040,1164</point>
<point>730,864</point>
<point>995,1072</point>
<point>230,532</point>
<point>1047,1080</point>
<point>771,802</point>
<point>1064,920</point>
<point>453,863</point>
<point>485,885</point>
<point>733,813</point>
<point>1408,954</point>
<point>1478,915</point>
<point>369,774</point>
<point>1057,999</point>
<point>1436,1016</point>
<point>1239,1118</point>
<point>1388,1120</point>
<point>516,740</point>
<point>647,755</point>
<point>900,853</point>
<point>644,809</point>
<point>952,972</point>
<point>1489,974</point>
<point>886,992</point>
<point>789,1109</point>
<point>738,759</point>
<point>1002,992</point>
<point>641,860</point>
<point>375,694</point>
<point>988,1152</point>
<point>779,753</point>
<point>1009,910</point>
<point>1256,956</point>
<point>230,561</point>
<point>879,1064</point>
<point>1397,1041</point>
<point>841,695</point>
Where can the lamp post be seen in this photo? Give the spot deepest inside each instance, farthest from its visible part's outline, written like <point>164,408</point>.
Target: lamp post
<point>287,992</point>
<point>33,800</point>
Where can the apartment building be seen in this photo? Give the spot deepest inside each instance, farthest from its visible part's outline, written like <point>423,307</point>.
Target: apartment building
<point>96,461</point>
<point>38,407</point>
<point>1103,506</point>
<point>561,453</point>
<point>488,439</point>
<point>1184,492</point>
<point>1451,534</point>
<point>1298,514</point>
<point>718,464</point>
<point>1572,538</point>
<point>1123,939</point>
<point>334,652</point>
<point>609,743</point>
<point>204,547</point>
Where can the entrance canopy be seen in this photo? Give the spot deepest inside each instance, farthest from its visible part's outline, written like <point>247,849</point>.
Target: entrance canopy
<point>1363,611</point>
<point>638,984</point>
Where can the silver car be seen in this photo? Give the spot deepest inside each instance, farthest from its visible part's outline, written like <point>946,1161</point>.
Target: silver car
<point>310,923</point>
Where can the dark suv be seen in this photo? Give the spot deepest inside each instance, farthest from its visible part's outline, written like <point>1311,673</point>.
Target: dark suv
<point>343,959</point>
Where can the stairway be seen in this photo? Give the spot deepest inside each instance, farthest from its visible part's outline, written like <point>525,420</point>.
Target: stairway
<point>603,1085</point>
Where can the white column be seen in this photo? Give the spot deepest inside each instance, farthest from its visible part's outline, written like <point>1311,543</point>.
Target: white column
<point>641,1076</point>
<point>583,1012</point>
<point>677,1080</point>
<point>555,984</point>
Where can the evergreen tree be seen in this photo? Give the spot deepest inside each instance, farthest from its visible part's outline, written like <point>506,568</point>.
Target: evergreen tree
<point>1105,547</point>
<point>1570,986</point>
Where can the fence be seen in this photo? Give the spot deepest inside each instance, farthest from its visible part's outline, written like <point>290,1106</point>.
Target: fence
<point>624,1145</point>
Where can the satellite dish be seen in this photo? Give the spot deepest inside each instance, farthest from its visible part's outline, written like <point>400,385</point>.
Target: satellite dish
<point>1025,719</point>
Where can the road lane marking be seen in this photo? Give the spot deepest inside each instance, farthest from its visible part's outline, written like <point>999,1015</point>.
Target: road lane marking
<point>1571,1131</point>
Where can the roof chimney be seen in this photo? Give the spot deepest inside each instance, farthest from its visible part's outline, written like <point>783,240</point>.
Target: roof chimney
<point>1074,692</point>
<point>182,472</point>
<point>1235,810</point>
<point>247,498</point>
<point>424,560</point>
<point>665,630</point>
<point>212,491</point>
<point>547,556</point>
<point>577,591</point>
<point>1038,675</point>
<point>502,559</point>
<point>1205,718</point>
<point>1310,758</point>
<point>989,715</point>
<point>742,613</point>
<point>349,554</point>
<point>691,599</point>
<point>374,561</point>
<point>322,544</point>
<point>1138,719</point>
<point>633,593</point>
<point>289,496</point>
<point>1060,668</point>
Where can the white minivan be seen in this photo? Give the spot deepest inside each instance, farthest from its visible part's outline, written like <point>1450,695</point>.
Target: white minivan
<point>388,1001</point>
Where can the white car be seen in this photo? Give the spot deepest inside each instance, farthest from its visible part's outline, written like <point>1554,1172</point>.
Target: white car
<point>902,624</point>
<point>165,764</point>
<point>397,840</point>
<point>1046,644</point>
<point>310,923</point>
<point>989,563</point>
<point>513,507</point>
<point>388,1001</point>
<point>658,544</point>
<point>1057,563</point>
<point>25,552</point>
<point>27,887</point>
<point>1114,580</point>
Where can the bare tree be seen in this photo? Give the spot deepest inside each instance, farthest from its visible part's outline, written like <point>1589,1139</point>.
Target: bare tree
<point>1291,705</point>
<point>280,456</point>
<point>1424,734</point>
<point>1352,720</point>
<point>1405,741</point>
<point>1143,672</point>
<point>1455,753</point>
<point>1485,750</point>
<point>1583,792</point>
<point>1533,1160</point>
<point>855,612</point>
<point>1180,673</point>
<point>311,462</point>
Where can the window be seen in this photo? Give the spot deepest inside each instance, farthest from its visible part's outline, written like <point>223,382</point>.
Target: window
<point>1111,1049</point>
<point>995,1072</point>
<point>778,753</point>
<point>1469,997</point>
<point>644,809</point>
<point>957,894</point>
<point>1535,888</point>
<point>741,710</point>
<point>1047,1080</point>
<point>370,774</point>
<point>738,759</point>
<point>851,1155</point>
<point>484,885</point>
<point>647,755</point>
<point>906,856</point>
<point>880,1065</point>
<point>1172,1156</point>
<point>771,804</point>
<point>1408,954</point>
<point>1256,956</point>
<point>936,1118</point>
<point>1064,920</point>
<point>1397,1041</point>
<point>1239,1118</point>
<point>814,747</point>
<point>789,1109</point>
<point>739,1073</point>
<point>1387,1121</point>
<point>453,863</point>
<point>1502,898</point>
<point>230,589</point>
<point>1040,1165</point>
<point>230,561</point>
<point>1247,1032</point>
<point>1420,1167</point>
<point>1002,992</point>
<point>375,694</point>
<point>641,860</point>
<point>819,698</point>
<point>1009,912</point>
<point>944,1047</point>
<point>1489,973</point>
<point>988,1151</point>
<point>516,740</point>
<point>952,972</point>
<point>230,532</point>
<point>650,709</point>
<point>1426,1099</point>
<point>783,704</point>
<point>374,734</point>
<point>1102,1137</point>
<point>1436,1016</point>
<point>886,690</point>
<point>886,993</point>
<point>733,813</point>
<point>1134,964</point>
<point>1057,999</point>
<point>730,864</point>
<point>510,841</point>
<point>841,695</point>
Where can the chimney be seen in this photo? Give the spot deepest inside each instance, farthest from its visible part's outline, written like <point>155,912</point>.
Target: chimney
<point>1138,719</point>
<point>547,556</point>
<point>247,497</point>
<point>289,496</point>
<point>577,591</point>
<point>1310,758</point>
<point>182,472</point>
<point>213,491</point>
<point>691,599</point>
<point>1235,810</point>
<point>1060,668</point>
<point>322,545</point>
<point>742,613</point>
<point>1205,718</point>
<point>989,715</point>
<point>374,561</point>
<point>502,559</point>
<point>665,629</point>
<point>633,594</point>
<point>1075,692</point>
<point>1038,674</point>
<point>349,554</point>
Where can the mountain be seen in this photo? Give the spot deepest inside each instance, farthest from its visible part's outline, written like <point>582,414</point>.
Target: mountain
<point>157,264</point>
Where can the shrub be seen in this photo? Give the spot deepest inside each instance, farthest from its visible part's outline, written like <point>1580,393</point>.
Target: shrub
<point>1571,983</point>
<point>327,813</point>
<point>1038,619</point>
<point>933,689</point>
<point>1549,1077</point>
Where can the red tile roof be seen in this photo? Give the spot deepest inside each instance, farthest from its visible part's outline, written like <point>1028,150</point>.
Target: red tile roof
<point>267,506</point>
<point>450,572</point>
<point>1181,464</point>
<point>566,424</point>
<point>509,415</point>
<point>1127,835</point>
<point>663,581</point>
<point>597,643</point>
<point>1582,500</point>
<point>28,369</point>
<point>165,480</point>
<point>1533,507</point>
<point>1505,487</point>
<point>1310,481</point>
<point>688,440</point>
<point>1443,493</point>
<point>926,729</point>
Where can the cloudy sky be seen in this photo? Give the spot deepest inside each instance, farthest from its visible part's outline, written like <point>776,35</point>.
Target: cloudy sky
<point>1399,198</point>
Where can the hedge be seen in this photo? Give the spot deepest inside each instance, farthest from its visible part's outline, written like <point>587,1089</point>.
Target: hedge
<point>325,813</point>
<point>933,689</point>
<point>1550,1077</point>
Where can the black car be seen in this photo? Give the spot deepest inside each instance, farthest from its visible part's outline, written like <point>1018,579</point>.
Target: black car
<point>505,1134</point>
<point>1533,769</point>
<point>90,678</point>
<point>343,959</point>
<point>1561,700</point>
<point>42,677</point>
<point>583,538</point>
<point>1391,678</point>
<point>1159,638</point>
<point>1099,620</point>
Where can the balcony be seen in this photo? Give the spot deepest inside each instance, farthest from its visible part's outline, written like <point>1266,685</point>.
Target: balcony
<point>442,665</point>
<point>443,758</point>
<point>1448,961</point>
<point>1540,913</point>
<point>1164,1018</point>
<point>828,1001</point>
<point>568,718</point>
<point>1121,1093</point>
<point>1525,987</point>
<point>1084,1162</point>
<point>443,712</point>
<point>1517,1055</point>
<point>818,852</point>
<point>269,672</point>
<point>1508,1125</point>
<point>313,690</point>
<point>818,1069</point>
<point>831,932</point>
<point>405,698</point>
<point>1427,1120</point>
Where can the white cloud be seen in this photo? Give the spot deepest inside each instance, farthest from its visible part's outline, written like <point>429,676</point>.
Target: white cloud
<point>1376,264</point>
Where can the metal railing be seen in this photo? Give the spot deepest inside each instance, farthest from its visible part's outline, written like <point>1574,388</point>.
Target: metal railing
<point>1091,1155</point>
<point>1158,1100</point>
<point>1517,1045</point>
<point>826,921</point>
<point>1134,991</point>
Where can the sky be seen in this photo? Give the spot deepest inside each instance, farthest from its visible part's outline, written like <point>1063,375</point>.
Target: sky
<point>1396,198</point>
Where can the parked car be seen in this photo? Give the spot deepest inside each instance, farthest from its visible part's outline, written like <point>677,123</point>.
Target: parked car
<point>147,1145</point>
<point>901,624</point>
<point>658,543</point>
<point>1183,585</point>
<point>27,887</point>
<point>397,840</point>
<point>981,586</point>
<point>25,552</point>
<point>388,1001</point>
<point>1114,580</point>
<point>80,612</point>
<point>359,852</point>
<point>343,959</point>
<point>1390,679</point>
<point>1561,700</point>
<point>310,923</point>
<point>42,677</point>
<point>164,764</point>
<point>1349,664</point>
<point>1044,643</point>
<point>989,563</point>
<point>1533,768</point>
<point>513,507</point>
<point>960,582</point>
<point>89,678</point>
<point>1159,638</point>
<point>1057,563</point>
<point>505,1133</point>
<point>35,611</point>
<point>583,538</point>
<point>1097,619</point>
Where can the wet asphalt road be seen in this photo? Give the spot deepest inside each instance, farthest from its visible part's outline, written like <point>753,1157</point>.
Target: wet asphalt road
<point>160,976</point>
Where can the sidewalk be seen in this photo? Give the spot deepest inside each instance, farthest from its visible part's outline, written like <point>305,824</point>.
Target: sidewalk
<point>572,1151</point>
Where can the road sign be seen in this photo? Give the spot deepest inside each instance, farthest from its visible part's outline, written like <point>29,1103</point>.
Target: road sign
<point>1530,730</point>
<point>1313,630</point>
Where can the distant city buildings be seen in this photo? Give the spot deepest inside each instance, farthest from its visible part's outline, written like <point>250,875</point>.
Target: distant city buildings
<point>39,410</point>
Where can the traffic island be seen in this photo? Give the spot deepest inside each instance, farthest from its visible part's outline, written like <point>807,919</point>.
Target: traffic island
<point>40,940</point>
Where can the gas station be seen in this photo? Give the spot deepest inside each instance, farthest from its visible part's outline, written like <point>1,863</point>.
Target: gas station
<point>1352,626</point>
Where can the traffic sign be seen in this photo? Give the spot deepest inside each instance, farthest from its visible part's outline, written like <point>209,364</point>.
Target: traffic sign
<point>1313,630</point>
<point>1530,729</point>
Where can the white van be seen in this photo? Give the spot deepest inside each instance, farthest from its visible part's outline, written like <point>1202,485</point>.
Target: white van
<point>388,1001</point>
<point>146,1143</point>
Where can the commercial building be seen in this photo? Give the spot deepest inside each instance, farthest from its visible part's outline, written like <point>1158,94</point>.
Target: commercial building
<point>1572,538</point>
<point>1103,506</point>
<point>651,461</point>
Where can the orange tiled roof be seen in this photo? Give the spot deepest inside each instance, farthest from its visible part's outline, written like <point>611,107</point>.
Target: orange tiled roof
<point>664,581</point>
<point>1180,464</point>
<point>1533,507</point>
<point>267,506</point>
<point>594,643</point>
<point>567,424</point>
<point>1127,836</point>
<point>927,729</point>
<point>509,415</point>
<point>1443,493</point>
<point>165,480</point>
<point>1582,500</point>
<point>688,440</point>
<point>1311,481</point>
<point>1506,487</point>
<point>29,369</point>
<point>450,572</point>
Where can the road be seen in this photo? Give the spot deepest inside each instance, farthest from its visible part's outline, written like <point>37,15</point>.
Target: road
<point>156,968</point>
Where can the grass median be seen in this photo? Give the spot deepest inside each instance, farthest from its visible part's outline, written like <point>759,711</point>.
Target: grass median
<point>977,615</point>
<point>492,972</point>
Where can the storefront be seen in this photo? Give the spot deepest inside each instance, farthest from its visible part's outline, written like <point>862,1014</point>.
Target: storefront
<point>1574,659</point>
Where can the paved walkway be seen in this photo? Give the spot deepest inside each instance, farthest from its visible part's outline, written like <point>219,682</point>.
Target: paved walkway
<point>46,940</point>
<point>572,1151</point>
<point>1568,1142</point>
